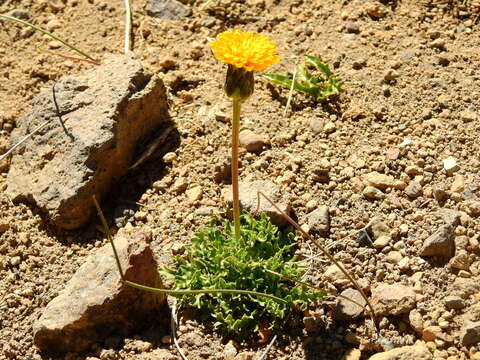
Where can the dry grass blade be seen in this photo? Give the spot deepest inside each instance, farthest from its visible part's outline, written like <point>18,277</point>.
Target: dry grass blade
<point>173,325</point>
<point>128,26</point>
<point>325,252</point>
<point>48,33</point>
<point>290,93</point>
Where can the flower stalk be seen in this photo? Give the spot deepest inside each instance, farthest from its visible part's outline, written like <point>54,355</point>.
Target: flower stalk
<point>235,142</point>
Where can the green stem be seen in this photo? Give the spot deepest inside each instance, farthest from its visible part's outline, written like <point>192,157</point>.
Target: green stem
<point>47,33</point>
<point>235,135</point>
<point>204,291</point>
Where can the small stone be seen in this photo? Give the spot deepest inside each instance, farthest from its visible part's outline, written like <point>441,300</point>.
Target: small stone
<point>334,275</point>
<point>440,194</point>
<point>180,185</point>
<point>178,248</point>
<point>404,264</point>
<point>329,127</point>
<point>375,10</point>
<point>431,333</point>
<point>390,75</point>
<point>393,299</point>
<point>22,14</point>
<point>221,116</point>
<point>167,339</point>
<point>441,243</point>
<point>394,257</point>
<point>316,125</point>
<point>382,241</point>
<point>319,220</point>
<point>167,63</point>
<point>249,199</point>
<point>167,9</point>
<point>169,157</point>
<point>416,320</point>
<point>454,302</point>
<point>470,333</point>
<point>372,193</point>
<point>414,352</point>
<point>464,274</point>
<point>251,141</point>
<point>458,184</point>
<point>413,190</point>
<point>460,261</point>
<point>464,287</point>
<point>472,207</point>
<point>346,310</point>
<point>378,180</point>
<point>194,194</point>
<point>230,351</point>
<point>377,228</point>
<point>468,116</point>
<point>438,43</point>
<point>450,165</point>
<point>352,28</point>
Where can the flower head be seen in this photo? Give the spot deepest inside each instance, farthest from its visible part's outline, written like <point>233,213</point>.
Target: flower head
<point>245,50</point>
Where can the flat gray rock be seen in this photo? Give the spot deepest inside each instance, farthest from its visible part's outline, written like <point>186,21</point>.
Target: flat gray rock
<point>95,303</point>
<point>167,9</point>
<point>441,243</point>
<point>104,111</point>
<point>346,310</point>
<point>393,299</point>
<point>319,220</point>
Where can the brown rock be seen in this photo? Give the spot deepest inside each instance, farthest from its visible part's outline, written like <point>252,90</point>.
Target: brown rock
<point>441,243</point>
<point>95,303</point>
<point>250,141</point>
<point>346,310</point>
<point>414,352</point>
<point>319,220</point>
<point>105,112</point>
<point>393,299</point>
<point>249,199</point>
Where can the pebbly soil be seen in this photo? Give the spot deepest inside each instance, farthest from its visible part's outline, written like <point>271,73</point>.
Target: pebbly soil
<point>411,73</point>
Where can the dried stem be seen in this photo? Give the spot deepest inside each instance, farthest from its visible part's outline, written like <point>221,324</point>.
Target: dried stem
<point>235,141</point>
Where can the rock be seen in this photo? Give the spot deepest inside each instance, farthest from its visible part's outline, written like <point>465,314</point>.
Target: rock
<point>251,141</point>
<point>230,351</point>
<point>464,287</point>
<point>468,115</point>
<point>22,14</point>
<point>458,184</point>
<point>352,28</point>
<point>454,302</point>
<point>472,207</point>
<point>460,261</point>
<point>394,257</point>
<point>167,9</point>
<point>441,243</point>
<point>373,193</point>
<point>450,165</point>
<point>319,220</point>
<point>451,217</point>
<point>440,194</point>
<point>377,228</point>
<point>346,310</point>
<point>156,354</point>
<point>249,199</point>
<point>105,112</point>
<point>378,180</point>
<point>393,299</point>
<point>470,333</point>
<point>180,185</point>
<point>413,190</point>
<point>334,275</point>
<point>246,355</point>
<point>375,10</point>
<point>316,125</point>
<point>432,333</point>
<point>414,352</point>
<point>194,194</point>
<point>416,320</point>
<point>382,241</point>
<point>95,303</point>
<point>329,127</point>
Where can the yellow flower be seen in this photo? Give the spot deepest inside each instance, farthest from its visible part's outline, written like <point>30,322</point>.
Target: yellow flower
<point>245,50</point>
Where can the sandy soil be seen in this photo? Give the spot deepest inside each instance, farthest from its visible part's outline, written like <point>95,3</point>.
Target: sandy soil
<point>411,73</point>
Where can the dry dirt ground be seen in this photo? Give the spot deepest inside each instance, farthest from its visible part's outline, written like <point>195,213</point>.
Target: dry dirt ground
<point>411,73</point>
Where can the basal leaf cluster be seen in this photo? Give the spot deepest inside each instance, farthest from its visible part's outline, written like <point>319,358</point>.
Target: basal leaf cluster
<point>217,261</point>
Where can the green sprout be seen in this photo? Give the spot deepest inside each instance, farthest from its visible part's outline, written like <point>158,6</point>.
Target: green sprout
<point>217,260</point>
<point>319,88</point>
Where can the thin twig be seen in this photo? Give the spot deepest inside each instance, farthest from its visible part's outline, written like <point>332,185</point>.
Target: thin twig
<point>265,353</point>
<point>128,26</point>
<point>9,151</point>
<point>173,325</point>
<point>8,17</point>
<point>73,58</point>
<point>290,93</point>
<point>325,252</point>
